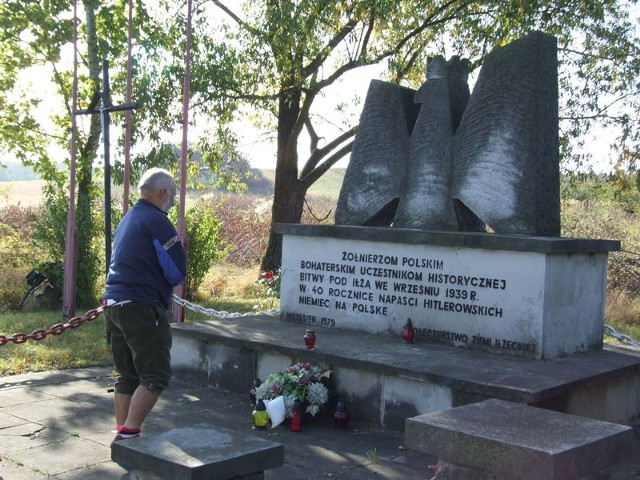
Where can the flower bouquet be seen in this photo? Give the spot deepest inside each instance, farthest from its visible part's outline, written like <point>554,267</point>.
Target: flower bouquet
<point>302,381</point>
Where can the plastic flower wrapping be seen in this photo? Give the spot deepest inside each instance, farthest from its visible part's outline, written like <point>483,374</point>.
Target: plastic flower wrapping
<point>302,381</point>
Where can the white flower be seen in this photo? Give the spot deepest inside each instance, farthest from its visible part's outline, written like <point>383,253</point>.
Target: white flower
<point>288,403</point>
<point>262,391</point>
<point>317,394</point>
<point>312,409</point>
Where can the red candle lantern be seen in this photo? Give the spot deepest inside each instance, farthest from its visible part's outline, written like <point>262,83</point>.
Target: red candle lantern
<point>341,416</point>
<point>310,339</point>
<point>407,331</point>
<point>295,420</point>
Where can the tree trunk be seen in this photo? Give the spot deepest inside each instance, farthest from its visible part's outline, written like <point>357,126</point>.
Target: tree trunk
<point>289,194</point>
<point>88,264</point>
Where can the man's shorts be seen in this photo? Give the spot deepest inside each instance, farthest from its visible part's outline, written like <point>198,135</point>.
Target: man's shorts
<point>140,345</point>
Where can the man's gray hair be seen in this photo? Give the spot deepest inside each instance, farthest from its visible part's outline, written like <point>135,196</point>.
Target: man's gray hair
<point>155,179</point>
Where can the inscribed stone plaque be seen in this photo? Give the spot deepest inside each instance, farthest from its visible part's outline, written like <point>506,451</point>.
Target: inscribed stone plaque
<point>515,302</point>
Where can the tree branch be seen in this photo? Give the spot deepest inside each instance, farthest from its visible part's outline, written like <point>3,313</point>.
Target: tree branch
<point>314,175</point>
<point>312,135</point>
<point>318,154</point>
<point>236,18</point>
<point>315,64</point>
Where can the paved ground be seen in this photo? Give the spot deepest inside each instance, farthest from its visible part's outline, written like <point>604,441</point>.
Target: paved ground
<point>59,425</point>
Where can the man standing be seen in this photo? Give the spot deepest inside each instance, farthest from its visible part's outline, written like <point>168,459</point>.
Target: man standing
<point>148,260</point>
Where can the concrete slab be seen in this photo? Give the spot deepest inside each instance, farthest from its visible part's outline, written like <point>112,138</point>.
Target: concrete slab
<point>49,377</point>
<point>85,421</point>
<point>7,420</point>
<point>199,453</point>
<point>36,411</point>
<point>11,396</point>
<point>61,457</point>
<point>520,442</point>
<point>10,470</point>
<point>30,435</point>
<point>102,471</point>
<point>88,391</point>
<point>361,452</point>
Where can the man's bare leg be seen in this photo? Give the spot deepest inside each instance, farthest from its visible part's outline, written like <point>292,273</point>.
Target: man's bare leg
<point>121,404</point>
<point>141,403</point>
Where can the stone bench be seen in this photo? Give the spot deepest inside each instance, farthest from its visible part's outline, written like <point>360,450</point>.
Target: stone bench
<point>197,454</point>
<point>495,439</point>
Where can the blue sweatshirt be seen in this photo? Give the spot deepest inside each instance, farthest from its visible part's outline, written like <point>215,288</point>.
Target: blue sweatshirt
<point>148,259</point>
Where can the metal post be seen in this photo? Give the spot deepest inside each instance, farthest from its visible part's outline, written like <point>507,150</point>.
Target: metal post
<point>70,247</point>
<point>180,290</point>
<point>105,120</point>
<point>127,117</point>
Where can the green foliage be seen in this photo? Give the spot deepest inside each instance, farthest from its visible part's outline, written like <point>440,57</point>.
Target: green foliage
<point>270,63</point>
<point>204,243</point>
<point>50,234</point>
<point>12,288</point>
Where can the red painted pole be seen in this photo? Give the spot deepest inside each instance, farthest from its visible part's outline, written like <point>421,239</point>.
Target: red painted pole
<point>70,248</point>
<point>180,290</point>
<point>127,116</point>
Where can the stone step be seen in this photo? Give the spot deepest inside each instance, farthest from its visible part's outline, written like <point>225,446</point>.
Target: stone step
<point>506,440</point>
<point>207,453</point>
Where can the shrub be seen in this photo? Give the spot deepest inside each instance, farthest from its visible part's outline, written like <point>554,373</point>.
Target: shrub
<point>606,220</point>
<point>17,253</point>
<point>12,288</point>
<point>204,243</point>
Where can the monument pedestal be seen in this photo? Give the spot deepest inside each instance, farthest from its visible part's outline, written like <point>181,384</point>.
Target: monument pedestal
<point>536,297</point>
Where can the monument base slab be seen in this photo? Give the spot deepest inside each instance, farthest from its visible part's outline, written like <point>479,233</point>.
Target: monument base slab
<point>390,380</point>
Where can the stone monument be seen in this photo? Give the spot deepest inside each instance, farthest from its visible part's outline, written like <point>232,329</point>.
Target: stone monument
<point>449,216</point>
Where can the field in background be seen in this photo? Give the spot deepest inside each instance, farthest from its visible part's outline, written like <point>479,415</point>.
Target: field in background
<point>27,193</point>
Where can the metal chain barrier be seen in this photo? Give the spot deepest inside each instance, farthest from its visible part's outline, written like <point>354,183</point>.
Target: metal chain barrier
<point>75,322</point>
<point>219,314</point>
<point>625,339</point>
<point>56,329</point>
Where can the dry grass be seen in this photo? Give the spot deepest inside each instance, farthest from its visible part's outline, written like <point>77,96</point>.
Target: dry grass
<point>623,309</point>
<point>226,280</point>
<point>27,193</point>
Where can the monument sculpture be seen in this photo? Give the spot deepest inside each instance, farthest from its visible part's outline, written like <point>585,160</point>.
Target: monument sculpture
<point>379,156</point>
<point>426,201</point>
<point>447,268</point>
<point>467,160</point>
<point>449,217</point>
